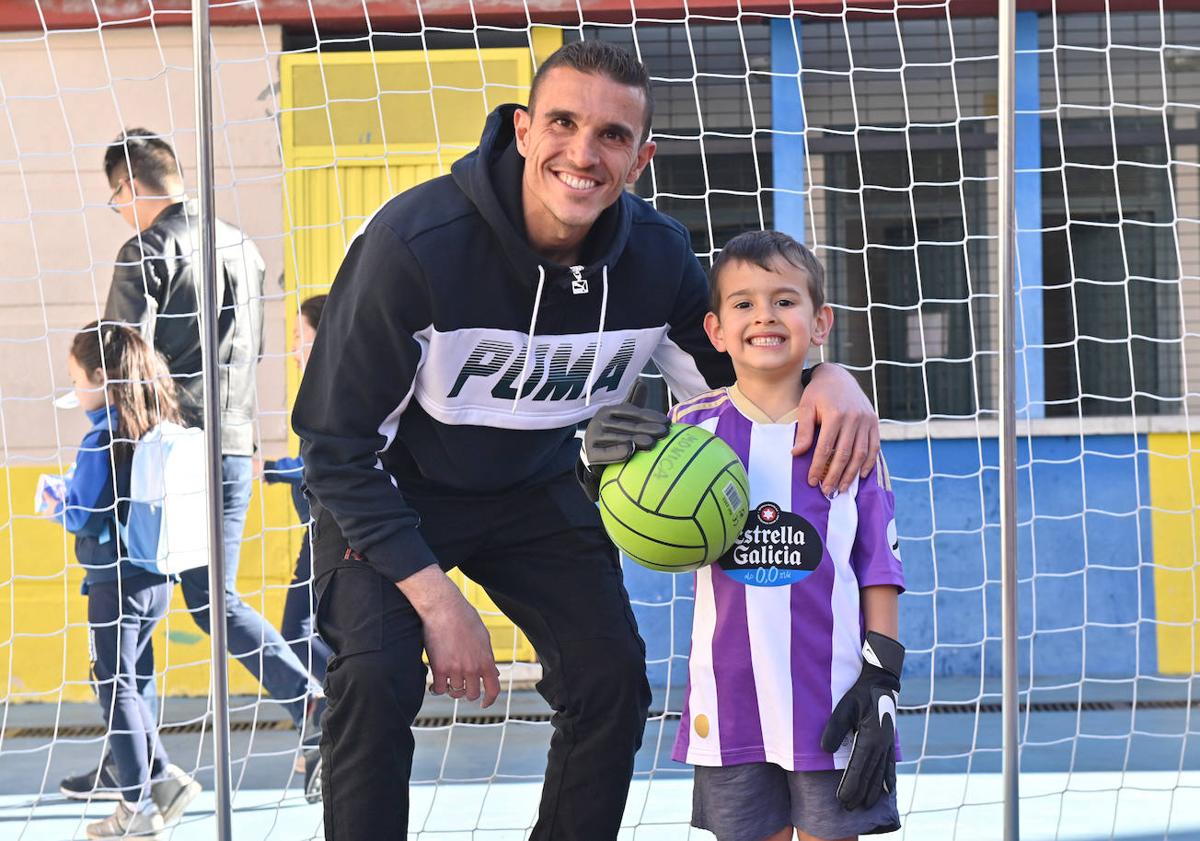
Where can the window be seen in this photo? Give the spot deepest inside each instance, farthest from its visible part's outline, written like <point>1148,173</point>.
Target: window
<point>907,281</point>
<point>712,169</point>
<point>1110,257</point>
<point>900,206</point>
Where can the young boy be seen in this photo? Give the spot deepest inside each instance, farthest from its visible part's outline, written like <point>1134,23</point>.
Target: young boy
<point>794,671</point>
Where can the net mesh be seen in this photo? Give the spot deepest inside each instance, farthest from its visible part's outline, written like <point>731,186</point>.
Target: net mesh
<point>869,132</point>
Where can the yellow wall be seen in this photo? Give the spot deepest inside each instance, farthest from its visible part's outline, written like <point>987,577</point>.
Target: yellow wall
<point>47,658</point>
<point>339,169</point>
<point>359,128</point>
<point>1175,496</point>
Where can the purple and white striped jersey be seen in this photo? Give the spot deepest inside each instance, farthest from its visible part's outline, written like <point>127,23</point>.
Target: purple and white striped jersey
<point>777,632</point>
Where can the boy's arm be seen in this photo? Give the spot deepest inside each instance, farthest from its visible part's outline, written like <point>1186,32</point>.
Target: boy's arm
<point>290,470</point>
<point>881,609</point>
<point>868,709</point>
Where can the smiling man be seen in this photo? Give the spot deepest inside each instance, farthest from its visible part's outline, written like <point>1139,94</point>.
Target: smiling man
<point>476,320</point>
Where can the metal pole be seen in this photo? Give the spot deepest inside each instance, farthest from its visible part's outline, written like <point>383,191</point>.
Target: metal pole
<point>1006,240</point>
<point>207,254</point>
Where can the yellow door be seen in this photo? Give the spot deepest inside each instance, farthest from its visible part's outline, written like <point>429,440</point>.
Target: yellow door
<point>357,129</point>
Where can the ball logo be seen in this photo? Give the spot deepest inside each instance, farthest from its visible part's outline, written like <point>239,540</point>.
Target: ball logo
<point>672,458</point>
<point>776,548</point>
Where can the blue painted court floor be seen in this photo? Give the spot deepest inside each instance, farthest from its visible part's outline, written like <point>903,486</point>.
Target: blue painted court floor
<point>1113,770</point>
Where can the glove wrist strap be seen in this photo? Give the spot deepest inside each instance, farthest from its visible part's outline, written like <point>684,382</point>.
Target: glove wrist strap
<point>884,652</point>
<point>588,479</point>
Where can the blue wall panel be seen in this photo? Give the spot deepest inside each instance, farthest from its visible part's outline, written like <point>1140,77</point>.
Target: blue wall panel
<point>1084,528</point>
<point>1027,200</point>
<point>787,129</point>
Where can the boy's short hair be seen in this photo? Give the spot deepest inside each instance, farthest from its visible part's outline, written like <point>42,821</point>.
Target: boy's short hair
<point>761,248</point>
<point>312,308</point>
<point>599,58</point>
<point>140,153</point>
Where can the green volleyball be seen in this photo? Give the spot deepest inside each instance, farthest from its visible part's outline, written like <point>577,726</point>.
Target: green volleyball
<point>678,506</point>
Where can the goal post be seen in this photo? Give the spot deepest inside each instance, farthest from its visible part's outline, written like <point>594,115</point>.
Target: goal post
<point>868,131</point>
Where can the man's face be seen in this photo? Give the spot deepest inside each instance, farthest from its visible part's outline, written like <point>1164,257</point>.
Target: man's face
<point>582,145</point>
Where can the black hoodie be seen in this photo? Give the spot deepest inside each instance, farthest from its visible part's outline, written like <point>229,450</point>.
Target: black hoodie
<point>412,384</point>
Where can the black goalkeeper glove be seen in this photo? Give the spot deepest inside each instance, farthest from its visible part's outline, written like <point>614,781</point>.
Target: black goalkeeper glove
<point>868,709</point>
<point>616,433</point>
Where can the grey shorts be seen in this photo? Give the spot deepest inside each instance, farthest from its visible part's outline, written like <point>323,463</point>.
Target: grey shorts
<point>752,802</point>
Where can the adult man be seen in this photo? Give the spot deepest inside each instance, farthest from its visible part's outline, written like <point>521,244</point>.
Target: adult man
<point>155,288</point>
<point>475,321</point>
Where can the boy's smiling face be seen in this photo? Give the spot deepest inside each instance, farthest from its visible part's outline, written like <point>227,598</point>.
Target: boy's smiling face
<point>766,321</point>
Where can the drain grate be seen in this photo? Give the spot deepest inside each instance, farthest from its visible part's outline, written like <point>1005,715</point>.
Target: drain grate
<point>86,731</point>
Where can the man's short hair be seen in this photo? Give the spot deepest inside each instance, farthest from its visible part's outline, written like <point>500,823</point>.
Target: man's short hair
<point>140,153</point>
<point>763,249</point>
<point>599,58</point>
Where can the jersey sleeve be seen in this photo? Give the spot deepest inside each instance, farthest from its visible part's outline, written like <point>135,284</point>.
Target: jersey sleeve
<point>357,384</point>
<point>875,556</point>
<point>687,359</point>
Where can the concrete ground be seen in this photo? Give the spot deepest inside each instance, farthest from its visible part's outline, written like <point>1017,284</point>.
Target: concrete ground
<point>1113,770</point>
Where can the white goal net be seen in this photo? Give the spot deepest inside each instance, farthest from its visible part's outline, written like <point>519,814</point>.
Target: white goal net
<point>868,131</point>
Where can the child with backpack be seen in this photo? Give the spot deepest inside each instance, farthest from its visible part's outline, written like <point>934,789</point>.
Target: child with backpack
<point>126,390</point>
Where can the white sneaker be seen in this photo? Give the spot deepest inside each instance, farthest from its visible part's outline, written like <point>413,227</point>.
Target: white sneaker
<point>174,792</point>
<point>126,823</point>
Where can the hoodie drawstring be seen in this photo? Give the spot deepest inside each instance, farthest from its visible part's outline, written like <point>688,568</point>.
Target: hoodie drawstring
<point>529,347</point>
<point>599,339</point>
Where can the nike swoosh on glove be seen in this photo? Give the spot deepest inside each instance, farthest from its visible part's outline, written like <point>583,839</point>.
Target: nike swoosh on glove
<point>868,710</point>
<point>616,433</point>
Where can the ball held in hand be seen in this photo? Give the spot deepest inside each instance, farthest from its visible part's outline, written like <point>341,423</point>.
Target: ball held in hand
<point>678,505</point>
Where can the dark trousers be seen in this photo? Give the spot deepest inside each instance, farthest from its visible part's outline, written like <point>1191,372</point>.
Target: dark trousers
<point>121,617</point>
<point>299,607</point>
<point>252,640</point>
<point>544,559</point>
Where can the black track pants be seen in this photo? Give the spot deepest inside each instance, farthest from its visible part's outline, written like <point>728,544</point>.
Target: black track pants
<point>542,556</point>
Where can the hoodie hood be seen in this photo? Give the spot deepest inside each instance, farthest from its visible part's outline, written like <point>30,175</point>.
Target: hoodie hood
<point>491,177</point>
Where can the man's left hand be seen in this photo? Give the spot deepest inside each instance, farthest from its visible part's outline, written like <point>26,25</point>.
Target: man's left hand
<point>615,433</point>
<point>848,443</point>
